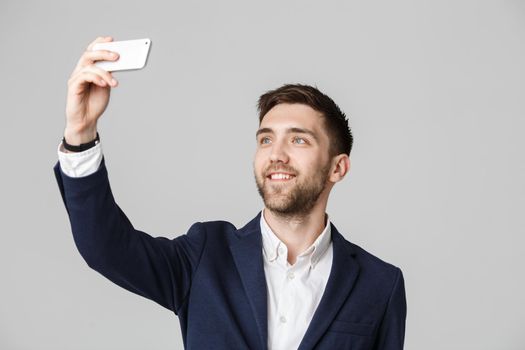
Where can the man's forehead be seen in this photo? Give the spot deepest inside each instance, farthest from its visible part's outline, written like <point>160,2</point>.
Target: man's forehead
<point>285,116</point>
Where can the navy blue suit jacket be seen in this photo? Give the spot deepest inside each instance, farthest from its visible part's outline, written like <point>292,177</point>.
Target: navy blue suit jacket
<point>213,278</point>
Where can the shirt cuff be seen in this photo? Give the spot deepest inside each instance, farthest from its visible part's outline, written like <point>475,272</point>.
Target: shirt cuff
<point>80,164</point>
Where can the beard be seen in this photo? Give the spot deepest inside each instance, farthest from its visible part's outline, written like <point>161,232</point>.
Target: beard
<point>296,198</point>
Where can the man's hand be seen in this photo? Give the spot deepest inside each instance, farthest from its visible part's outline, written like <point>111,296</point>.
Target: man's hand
<point>88,94</point>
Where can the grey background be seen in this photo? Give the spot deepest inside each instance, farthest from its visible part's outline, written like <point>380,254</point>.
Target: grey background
<point>435,94</point>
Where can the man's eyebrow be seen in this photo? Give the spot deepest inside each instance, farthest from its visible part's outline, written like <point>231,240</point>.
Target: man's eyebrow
<point>289,131</point>
<point>263,131</point>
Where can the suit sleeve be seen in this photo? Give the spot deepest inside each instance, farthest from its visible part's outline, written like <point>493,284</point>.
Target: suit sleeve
<point>391,333</point>
<point>157,268</point>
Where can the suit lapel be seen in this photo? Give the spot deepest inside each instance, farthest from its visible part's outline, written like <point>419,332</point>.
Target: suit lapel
<point>247,254</point>
<point>340,282</point>
<point>246,249</point>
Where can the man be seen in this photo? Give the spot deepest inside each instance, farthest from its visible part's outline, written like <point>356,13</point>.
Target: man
<point>286,280</point>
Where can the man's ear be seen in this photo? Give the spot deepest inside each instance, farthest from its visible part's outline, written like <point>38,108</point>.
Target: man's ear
<point>340,167</point>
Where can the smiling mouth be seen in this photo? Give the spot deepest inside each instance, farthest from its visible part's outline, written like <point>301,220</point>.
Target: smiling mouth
<point>280,177</point>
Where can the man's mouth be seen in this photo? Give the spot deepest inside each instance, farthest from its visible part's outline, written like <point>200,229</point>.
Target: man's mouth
<point>280,176</point>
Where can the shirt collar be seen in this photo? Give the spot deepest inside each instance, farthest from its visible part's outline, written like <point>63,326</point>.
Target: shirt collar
<point>273,247</point>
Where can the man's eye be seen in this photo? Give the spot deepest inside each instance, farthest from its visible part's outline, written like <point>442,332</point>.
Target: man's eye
<point>265,140</point>
<point>299,140</point>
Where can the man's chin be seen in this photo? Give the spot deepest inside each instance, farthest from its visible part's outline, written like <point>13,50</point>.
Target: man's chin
<point>278,204</point>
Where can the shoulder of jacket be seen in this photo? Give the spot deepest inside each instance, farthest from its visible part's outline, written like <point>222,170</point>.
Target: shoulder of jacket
<point>373,262</point>
<point>218,226</point>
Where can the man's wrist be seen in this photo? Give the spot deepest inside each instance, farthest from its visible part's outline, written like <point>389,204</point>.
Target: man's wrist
<point>77,138</point>
<point>79,142</point>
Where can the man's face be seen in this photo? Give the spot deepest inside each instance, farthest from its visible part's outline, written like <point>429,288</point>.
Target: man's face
<point>291,164</point>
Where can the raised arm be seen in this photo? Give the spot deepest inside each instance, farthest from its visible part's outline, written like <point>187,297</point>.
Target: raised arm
<point>157,268</point>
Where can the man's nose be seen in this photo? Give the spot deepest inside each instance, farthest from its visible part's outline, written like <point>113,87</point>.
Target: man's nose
<point>279,153</point>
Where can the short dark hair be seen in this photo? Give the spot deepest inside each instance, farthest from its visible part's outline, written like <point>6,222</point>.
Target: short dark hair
<point>336,123</point>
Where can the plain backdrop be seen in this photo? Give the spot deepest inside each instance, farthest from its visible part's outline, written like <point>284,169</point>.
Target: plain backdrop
<point>435,93</point>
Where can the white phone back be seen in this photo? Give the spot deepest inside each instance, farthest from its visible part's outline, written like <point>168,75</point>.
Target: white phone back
<point>132,54</point>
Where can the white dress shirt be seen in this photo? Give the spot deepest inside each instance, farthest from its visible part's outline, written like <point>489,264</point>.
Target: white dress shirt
<point>294,291</point>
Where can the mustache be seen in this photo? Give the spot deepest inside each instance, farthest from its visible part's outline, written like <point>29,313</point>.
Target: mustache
<point>284,169</point>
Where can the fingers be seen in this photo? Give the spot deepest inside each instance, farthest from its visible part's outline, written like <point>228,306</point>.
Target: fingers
<point>95,75</point>
<point>89,56</point>
<point>102,73</point>
<point>77,83</point>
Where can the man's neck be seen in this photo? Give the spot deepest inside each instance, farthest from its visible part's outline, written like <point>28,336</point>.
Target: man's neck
<point>297,232</point>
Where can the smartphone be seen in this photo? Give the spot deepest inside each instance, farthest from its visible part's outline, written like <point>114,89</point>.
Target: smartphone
<point>132,54</point>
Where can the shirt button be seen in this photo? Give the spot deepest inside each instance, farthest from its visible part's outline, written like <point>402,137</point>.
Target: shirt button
<point>291,275</point>
<point>282,319</point>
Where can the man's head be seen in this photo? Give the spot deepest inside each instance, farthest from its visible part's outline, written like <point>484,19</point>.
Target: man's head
<point>303,144</point>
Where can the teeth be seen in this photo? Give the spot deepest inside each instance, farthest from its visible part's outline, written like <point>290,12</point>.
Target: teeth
<point>280,177</point>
